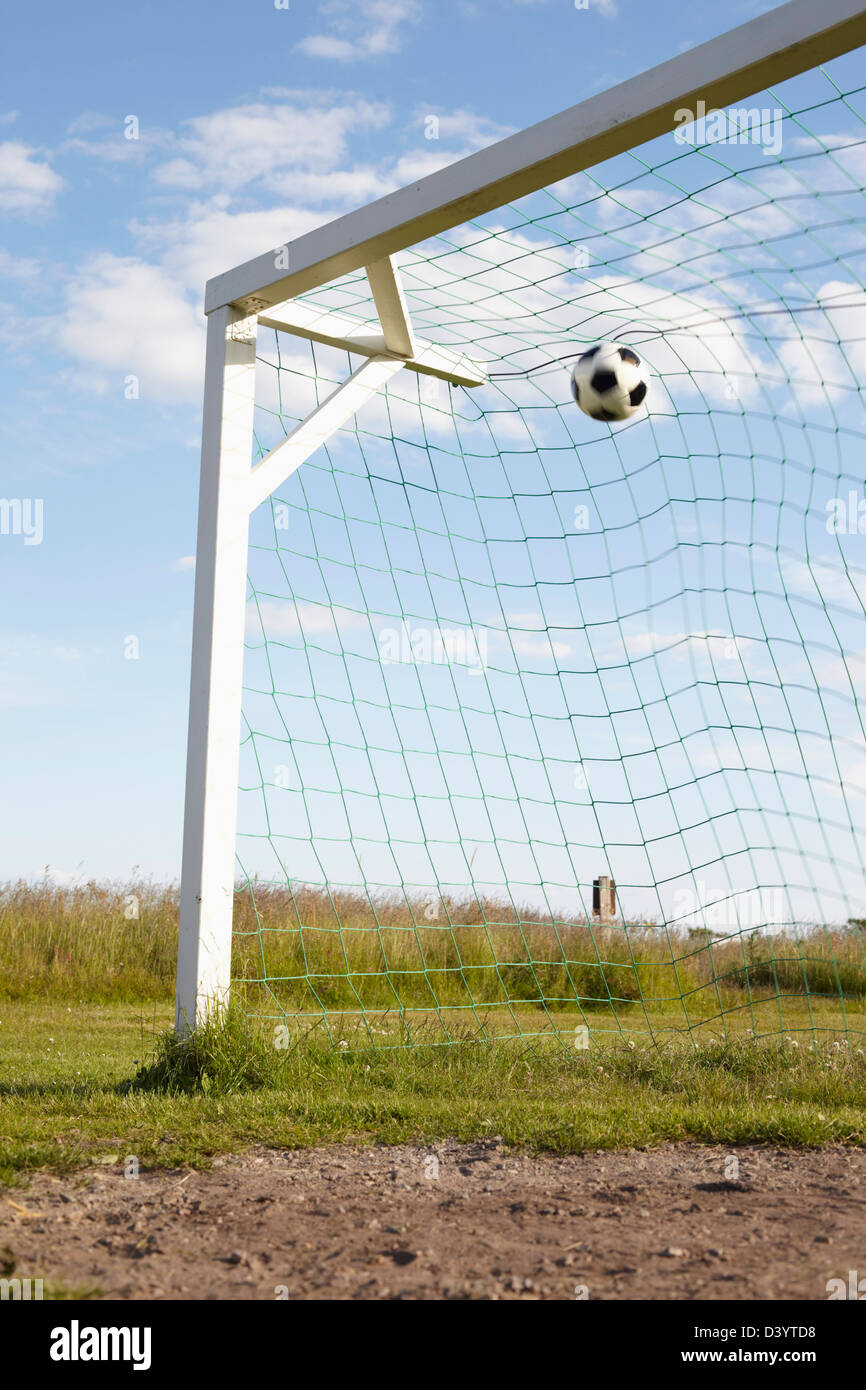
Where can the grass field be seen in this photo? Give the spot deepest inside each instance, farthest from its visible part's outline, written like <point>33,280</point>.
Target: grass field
<point>89,1073</point>
<point>66,1098</point>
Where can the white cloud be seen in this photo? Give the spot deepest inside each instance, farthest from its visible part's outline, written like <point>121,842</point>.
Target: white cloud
<point>349,188</point>
<point>123,316</point>
<point>719,646</point>
<point>184,563</point>
<point>113,146</point>
<point>207,238</point>
<point>498,294</point>
<point>112,149</point>
<point>236,146</point>
<point>470,129</point>
<point>292,619</point>
<point>27,184</point>
<point>17,267</point>
<point>538,646</point>
<point>88,121</point>
<point>260,143</point>
<point>823,581</point>
<point>825,351</point>
<point>138,314</point>
<point>299,147</point>
<point>361,31</point>
<point>492,295</point>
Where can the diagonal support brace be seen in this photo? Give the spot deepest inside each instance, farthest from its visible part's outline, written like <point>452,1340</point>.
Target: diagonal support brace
<point>271,471</point>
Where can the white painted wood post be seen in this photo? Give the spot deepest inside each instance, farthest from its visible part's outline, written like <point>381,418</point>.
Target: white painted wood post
<point>216,679</point>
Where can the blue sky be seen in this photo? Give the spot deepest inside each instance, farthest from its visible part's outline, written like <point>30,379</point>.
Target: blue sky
<point>252,124</point>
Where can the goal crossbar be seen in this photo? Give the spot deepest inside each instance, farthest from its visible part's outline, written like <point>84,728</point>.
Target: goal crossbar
<point>780,44</point>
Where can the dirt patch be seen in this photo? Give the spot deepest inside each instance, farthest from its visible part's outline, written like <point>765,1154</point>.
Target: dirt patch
<point>452,1221</point>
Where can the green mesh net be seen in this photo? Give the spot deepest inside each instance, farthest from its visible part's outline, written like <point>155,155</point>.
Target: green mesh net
<point>497,651</point>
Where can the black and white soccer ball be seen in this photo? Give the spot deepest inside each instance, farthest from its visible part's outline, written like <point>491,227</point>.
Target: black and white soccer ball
<point>610,382</point>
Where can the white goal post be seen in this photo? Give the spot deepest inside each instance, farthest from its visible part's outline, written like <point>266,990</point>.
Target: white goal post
<point>781,44</point>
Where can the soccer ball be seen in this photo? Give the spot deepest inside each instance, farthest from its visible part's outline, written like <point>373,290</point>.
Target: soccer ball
<point>609,382</point>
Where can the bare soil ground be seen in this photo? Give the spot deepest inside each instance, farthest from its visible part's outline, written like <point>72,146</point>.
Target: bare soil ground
<point>452,1221</point>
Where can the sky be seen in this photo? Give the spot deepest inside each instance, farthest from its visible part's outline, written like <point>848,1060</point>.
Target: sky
<point>142,150</point>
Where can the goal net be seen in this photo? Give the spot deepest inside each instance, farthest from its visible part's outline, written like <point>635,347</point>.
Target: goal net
<point>498,653</point>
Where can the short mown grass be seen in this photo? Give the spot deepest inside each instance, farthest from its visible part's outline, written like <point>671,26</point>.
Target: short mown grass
<point>83,1085</point>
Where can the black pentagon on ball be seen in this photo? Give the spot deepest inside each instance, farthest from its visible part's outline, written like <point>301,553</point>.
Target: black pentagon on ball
<point>637,395</point>
<point>575,390</point>
<point>587,356</point>
<point>603,381</point>
<point>603,415</point>
<point>628,356</point>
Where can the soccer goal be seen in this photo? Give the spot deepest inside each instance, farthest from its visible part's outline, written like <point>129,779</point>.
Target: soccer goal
<point>510,721</point>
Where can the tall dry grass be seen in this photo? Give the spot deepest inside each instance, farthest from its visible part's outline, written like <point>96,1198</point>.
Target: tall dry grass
<point>96,941</point>
<point>308,950</point>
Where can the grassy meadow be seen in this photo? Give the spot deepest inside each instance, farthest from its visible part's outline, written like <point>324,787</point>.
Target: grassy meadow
<point>309,952</point>
<point>605,1036</point>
